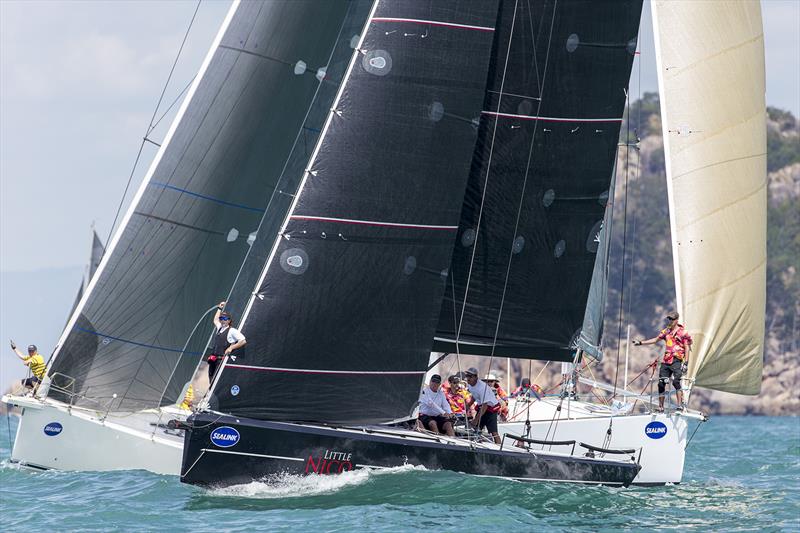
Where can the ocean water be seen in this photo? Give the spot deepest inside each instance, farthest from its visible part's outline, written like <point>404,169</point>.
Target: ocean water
<point>742,474</point>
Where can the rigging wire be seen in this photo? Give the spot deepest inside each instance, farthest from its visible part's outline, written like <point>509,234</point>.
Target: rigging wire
<point>150,126</point>
<point>624,239</point>
<point>524,185</point>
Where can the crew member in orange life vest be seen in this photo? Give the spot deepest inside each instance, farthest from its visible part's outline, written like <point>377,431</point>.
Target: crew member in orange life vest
<point>226,340</point>
<point>678,343</point>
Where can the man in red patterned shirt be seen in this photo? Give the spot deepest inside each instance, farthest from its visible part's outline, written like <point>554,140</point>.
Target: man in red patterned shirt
<point>678,343</point>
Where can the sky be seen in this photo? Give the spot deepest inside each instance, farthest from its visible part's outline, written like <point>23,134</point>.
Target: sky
<point>78,85</point>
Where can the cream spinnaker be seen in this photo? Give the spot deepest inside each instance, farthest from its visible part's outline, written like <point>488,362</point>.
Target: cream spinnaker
<point>710,58</point>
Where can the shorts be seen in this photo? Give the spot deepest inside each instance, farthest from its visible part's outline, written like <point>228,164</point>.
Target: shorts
<point>31,382</point>
<point>489,421</point>
<point>672,370</point>
<point>440,420</point>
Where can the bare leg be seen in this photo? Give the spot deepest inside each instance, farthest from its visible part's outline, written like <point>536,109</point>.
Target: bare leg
<point>497,439</point>
<point>448,428</point>
<point>433,427</point>
<point>679,394</point>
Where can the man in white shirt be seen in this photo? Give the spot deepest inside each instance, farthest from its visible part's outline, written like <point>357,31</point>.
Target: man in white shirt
<point>435,413</point>
<point>487,404</point>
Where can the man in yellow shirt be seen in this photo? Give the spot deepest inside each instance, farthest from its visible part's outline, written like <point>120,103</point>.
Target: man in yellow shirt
<point>35,362</point>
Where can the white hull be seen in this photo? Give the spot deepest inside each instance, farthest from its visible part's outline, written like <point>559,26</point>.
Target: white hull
<point>661,458</point>
<point>86,442</point>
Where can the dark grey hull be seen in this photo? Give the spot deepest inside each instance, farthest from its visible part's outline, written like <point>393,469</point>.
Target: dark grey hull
<point>262,449</point>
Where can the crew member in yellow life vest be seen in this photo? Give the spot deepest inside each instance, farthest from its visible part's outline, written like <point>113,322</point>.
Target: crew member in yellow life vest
<point>677,342</point>
<point>35,362</point>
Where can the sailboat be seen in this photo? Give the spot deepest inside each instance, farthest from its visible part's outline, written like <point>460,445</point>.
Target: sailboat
<point>195,225</point>
<point>710,57</point>
<point>488,128</point>
<point>95,257</point>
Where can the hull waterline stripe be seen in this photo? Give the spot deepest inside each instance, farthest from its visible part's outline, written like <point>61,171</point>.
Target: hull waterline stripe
<point>434,23</point>
<point>373,222</point>
<point>309,371</point>
<point>281,457</point>
<point>549,119</point>
<point>143,345</point>
<point>253,454</point>
<point>204,197</point>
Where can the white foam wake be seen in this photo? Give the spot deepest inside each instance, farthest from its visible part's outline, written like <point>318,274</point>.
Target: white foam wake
<point>289,485</point>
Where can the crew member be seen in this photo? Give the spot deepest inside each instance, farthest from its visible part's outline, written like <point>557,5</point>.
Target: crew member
<point>435,413</point>
<point>457,396</point>
<point>488,404</point>
<point>678,344</point>
<point>526,390</point>
<point>226,339</point>
<point>35,362</point>
<point>501,394</point>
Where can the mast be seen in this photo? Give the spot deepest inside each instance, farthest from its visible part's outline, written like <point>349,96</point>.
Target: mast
<point>340,324</point>
<point>710,58</point>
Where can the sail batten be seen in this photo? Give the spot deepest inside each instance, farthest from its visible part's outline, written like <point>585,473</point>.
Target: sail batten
<point>710,58</point>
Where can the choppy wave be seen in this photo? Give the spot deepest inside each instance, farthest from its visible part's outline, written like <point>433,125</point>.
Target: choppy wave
<point>742,474</point>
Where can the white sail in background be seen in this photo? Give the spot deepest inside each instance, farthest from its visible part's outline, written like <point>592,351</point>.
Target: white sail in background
<point>711,79</point>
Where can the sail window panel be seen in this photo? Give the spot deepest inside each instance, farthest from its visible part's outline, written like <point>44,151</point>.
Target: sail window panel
<point>217,172</point>
<point>555,130</point>
<point>386,186</point>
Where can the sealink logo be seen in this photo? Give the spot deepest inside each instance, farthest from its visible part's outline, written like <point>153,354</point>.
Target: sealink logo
<point>52,429</point>
<point>225,437</point>
<point>655,430</point>
<point>235,390</point>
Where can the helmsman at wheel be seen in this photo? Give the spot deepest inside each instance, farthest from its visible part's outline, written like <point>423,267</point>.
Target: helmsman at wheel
<point>678,343</point>
<point>226,339</point>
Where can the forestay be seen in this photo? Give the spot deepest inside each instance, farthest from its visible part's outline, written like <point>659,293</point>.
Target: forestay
<point>712,84</point>
<point>539,183</point>
<point>183,240</point>
<point>341,326</point>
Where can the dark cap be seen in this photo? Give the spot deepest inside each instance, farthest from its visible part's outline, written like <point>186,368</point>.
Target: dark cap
<point>471,371</point>
<point>673,315</point>
<point>32,348</point>
<point>436,378</point>
<point>526,382</point>
<point>454,378</point>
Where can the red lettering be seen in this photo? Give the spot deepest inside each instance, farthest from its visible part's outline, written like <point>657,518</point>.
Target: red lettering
<point>347,464</point>
<point>328,470</point>
<point>316,467</point>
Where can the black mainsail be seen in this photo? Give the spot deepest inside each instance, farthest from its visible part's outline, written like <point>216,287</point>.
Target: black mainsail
<point>339,329</point>
<point>523,261</point>
<point>183,241</point>
<point>342,319</point>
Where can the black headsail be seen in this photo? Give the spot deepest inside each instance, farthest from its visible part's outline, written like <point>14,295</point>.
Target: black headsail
<point>539,183</point>
<point>192,222</point>
<point>341,326</point>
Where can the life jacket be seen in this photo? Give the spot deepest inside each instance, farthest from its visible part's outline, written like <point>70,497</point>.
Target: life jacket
<point>220,343</point>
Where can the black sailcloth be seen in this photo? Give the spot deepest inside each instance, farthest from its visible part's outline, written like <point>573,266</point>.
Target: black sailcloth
<point>539,183</point>
<point>193,223</point>
<point>341,328</point>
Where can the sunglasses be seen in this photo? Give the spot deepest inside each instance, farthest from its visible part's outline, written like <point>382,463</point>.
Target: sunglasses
<point>224,318</point>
